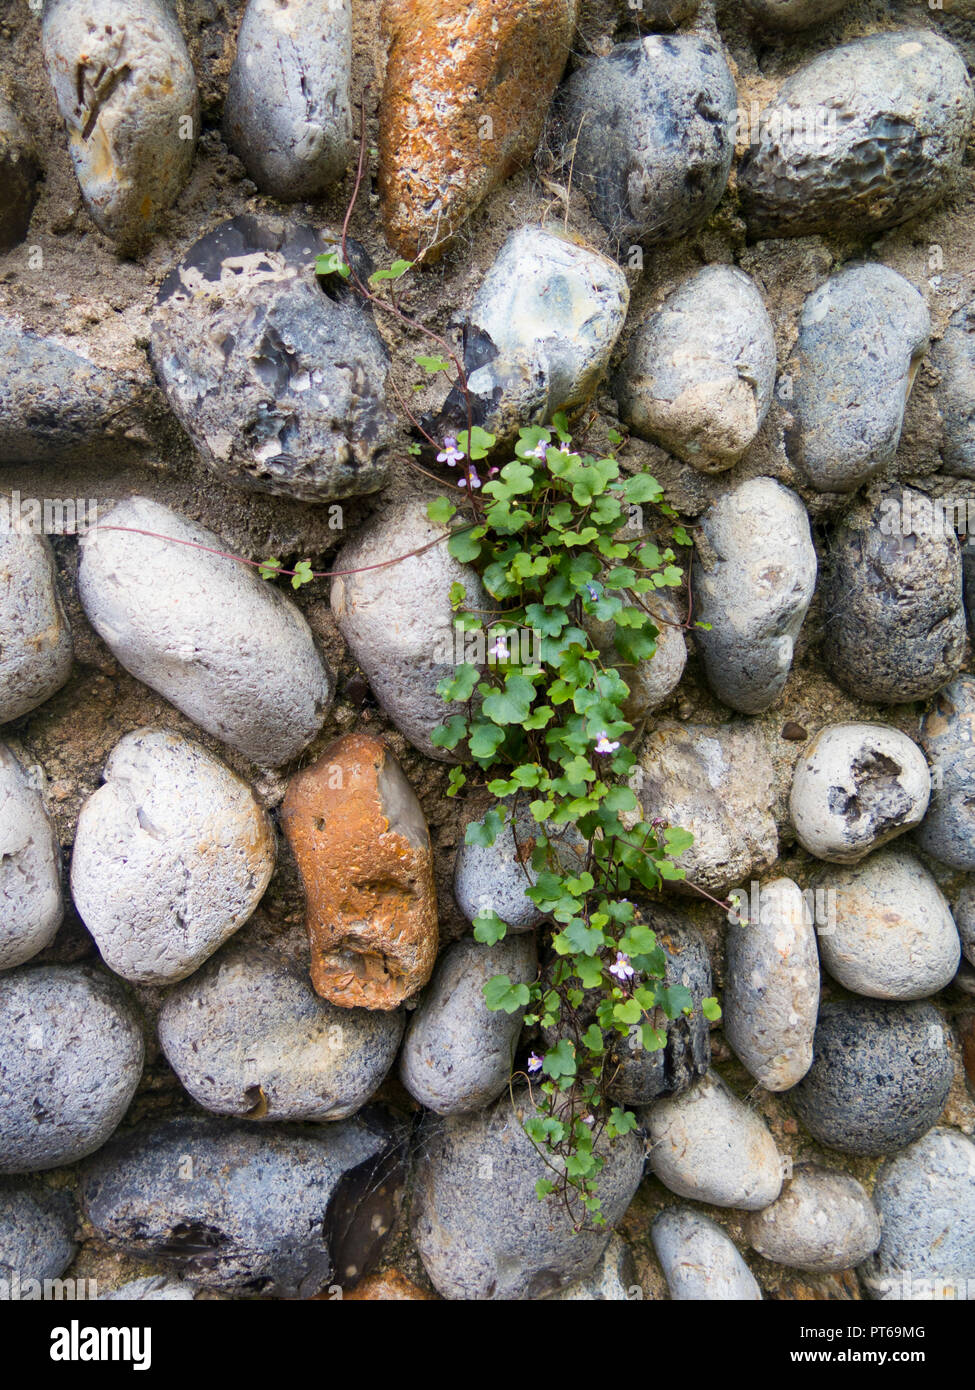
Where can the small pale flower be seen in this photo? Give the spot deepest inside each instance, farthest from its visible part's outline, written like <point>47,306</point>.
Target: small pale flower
<point>588,1120</point>
<point>592,591</point>
<point>534,1062</point>
<point>540,450</point>
<point>474,479</point>
<point>622,968</point>
<point>499,648</point>
<point>451,454</point>
<point>604,744</point>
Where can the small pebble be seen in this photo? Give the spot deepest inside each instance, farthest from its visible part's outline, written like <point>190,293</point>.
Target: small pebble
<point>947,832</point>
<point>35,640</point>
<point>700,1262</point>
<point>612,1281</point>
<point>30,867</point>
<point>823,1221</point>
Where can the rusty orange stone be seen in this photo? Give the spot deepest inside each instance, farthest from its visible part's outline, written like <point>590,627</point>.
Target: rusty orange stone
<point>362,846</point>
<point>391,1287</point>
<point>467,89</point>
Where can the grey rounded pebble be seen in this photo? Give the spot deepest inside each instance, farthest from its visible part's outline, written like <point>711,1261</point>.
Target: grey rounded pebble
<point>614,1279</point>
<point>481,1230</point>
<point>20,174</point>
<point>155,1288</point>
<point>457,1054</point>
<point>494,878</point>
<point>278,377</point>
<point>880,1076</point>
<point>856,787</point>
<point>35,640</point>
<point>754,579</point>
<point>30,867</point>
<point>71,1056</point>
<point>651,682</point>
<point>947,832</point>
<point>823,1221</point>
<point>171,856</point>
<point>771,995</point>
<point>700,371</point>
<point>37,1235</point>
<point>248,1036</point>
<point>862,335</point>
<point>287,113</point>
<point>926,1200</point>
<point>953,357</point>
<point>125,87</point>
<point>397,619</point>
<point>653,131</point>
<point>890,116</point>
<point>892,604</point>
<point>708,1145</point>
<point>964,915</point>
<point>894,937</point>
<point>232,1206</point>
<point>700,1262</point>
<point>229,650</point>
<point>793,14</point>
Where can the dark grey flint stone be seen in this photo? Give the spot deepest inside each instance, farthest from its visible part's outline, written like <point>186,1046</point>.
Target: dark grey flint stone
<point>654,129</point>
<point>954,358</point>
<point>861,336</point>
<point>879,1079</point>
<point>230,1205</point>
<point>71,1056</point>
<point>479,1226</point>
<point>54,405</point>
<point>792,14</point>
<point>894,624</point>
<point>37,1228</point>
<point>278,377</point>
<point>947,832</point>
<point>19,176</point>
<point>287,113</point>
<point>889,118</point>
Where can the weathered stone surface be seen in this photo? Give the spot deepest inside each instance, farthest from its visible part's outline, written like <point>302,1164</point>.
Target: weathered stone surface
<point>699,1261</point>
<point>612,1281</point>
<point>793,14</point>
<point>359,836</point>
<point>389,1287</point>
<point>879,1078</point>
<point>652,682</point>
<point>155,1288</point>
<point>70,1059</point>
<point>902,105</point>
<point>894,937</point>
<point>947,832</point>
<point>481,1230</point>
<point>716,783</point>
<point>771,995</point>
<point>539,332</point>
<point>463,104</point>
<point>707,1145</point>
<point>397,619</point>
<point>964,915</point>
<point>247,1036</point>
<point>172,855</point>
<point>926,1200</point>
<point>287,113</point>
<point>855,787</point>
<point>232,1206</point>
<point>278,378</point>
<point>653,126</point>
<point>229,650</point>
<point>457,1054</point>
<point>35,640</point>
<point>37,1235</point>
<point>125,86</point>
<point>862,335</point>
<point>494,878</point>
<point>30,867</point>
<point>700,371</point>
<point>823,1221</point>
<point>953,357</point>
<point>894,624</point>
<point>20,171</point>
<point>754,578</point>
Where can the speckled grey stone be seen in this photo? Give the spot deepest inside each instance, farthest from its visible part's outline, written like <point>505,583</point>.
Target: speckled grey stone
<point>30,867</point>
<point>880,1076</point>
<point>653,131</point>
<point>893,617</point>
<point>861,337</point>
<point>926,1200</point>
<point>947,832</point>
<point>855,787</point>
<point>893,937</point>
<point>20,172</point>
<point>964,915</point>
<point>287,113</point>
<point>771,995</point>
<point>481,1230</point>
<point>895,111</point>
<point>228,649</point>
<point>35,640</point>
<point>650,682</point>
<point>953,357</point>
<point>494,878</point>
<point>248,1036</point>
<point>700,1262</point>
<point>155,1288</point>
<point>398,621</point>
<point>709,1146</point>
<point>700,371</point>
<point>230,1205</point>
<point>754,578</point>
<point>37,1235</point>
<point>70,1059</point>
<point>822,1221</point>
<point>125,87</point>
<point>278,377</point>
<point>612,1281</point>
<point>793,14</point>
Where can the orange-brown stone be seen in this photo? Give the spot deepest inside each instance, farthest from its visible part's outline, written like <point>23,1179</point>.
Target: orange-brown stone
<point>363,849</point>
<point>467,89</point>
<point>391,1287</point>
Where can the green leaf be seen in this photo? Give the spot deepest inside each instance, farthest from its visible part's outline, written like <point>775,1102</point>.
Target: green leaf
<point>560,1060</point>
<point>433,364</point>
<point>456,779</point>
<point>489,928</point>
<point>331,263</point>
<point>485,832</point>
<point>501,994</point>
<point>711,1009</point>
<point>459,686</point>
<point>511,705</point>
<point>270,568</point>
<point>448,735</point>
<point>440,511</point>
<point>302,575</point>
<point>392,272</point>
<point>544,1187</point>
<point>641,487</point>
<point>464,547</point>
<point>480,445</point>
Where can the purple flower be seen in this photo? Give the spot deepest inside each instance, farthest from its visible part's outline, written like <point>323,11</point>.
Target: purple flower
<point>622,968</point>
<point>592,591</point>
<point>604,743</point>
<point>499,647</point>
<point>534,1062</point>
<point>541,449</point>
<point>451,454</point>
<point>474,479</point>
<point>588,1120</point>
